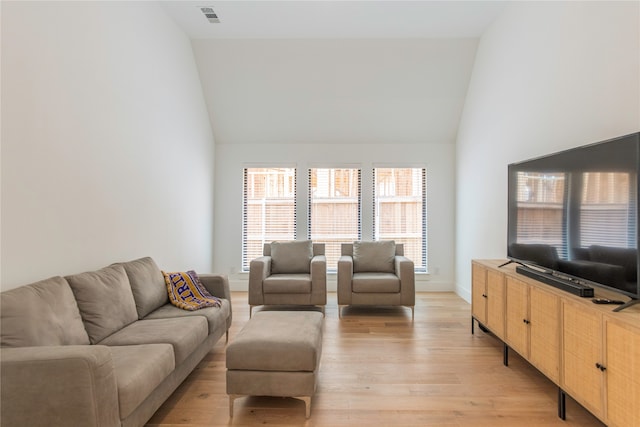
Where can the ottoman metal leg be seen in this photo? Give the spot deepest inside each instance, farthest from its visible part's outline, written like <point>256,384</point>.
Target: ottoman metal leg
<point>307,404</point>
<point>232,397</point>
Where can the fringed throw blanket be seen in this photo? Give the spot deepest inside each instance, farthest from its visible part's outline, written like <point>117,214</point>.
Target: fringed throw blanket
<point>187,292</point>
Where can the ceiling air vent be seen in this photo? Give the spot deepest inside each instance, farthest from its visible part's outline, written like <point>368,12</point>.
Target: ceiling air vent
<point>210,14</point>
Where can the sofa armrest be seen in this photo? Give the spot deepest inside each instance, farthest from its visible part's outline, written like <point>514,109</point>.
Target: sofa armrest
<point>71,385</point>
<point>217,285</point>
<point>259,269</point>
<point>406,273</point>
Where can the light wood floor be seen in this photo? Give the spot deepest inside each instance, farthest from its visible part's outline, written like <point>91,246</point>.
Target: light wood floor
<point>379,369</point>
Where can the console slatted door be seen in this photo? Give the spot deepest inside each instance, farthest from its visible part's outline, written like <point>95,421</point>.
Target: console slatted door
<point>582,352</point>
<point>517,333</point>
<point>544,353</point>
<point>623,374</point>
<point>479,292</point>
<point>495,302</point>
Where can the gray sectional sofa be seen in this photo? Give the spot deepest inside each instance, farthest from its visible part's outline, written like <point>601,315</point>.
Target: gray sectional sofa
<point>101,348</point>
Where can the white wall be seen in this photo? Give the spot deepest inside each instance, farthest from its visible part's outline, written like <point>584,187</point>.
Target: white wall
<point>107,149</point>
<point>547,76</point>
<point>332,103</point>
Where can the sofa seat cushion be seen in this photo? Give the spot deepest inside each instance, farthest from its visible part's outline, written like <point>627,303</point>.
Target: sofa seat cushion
<point>287,284</point>
<point>43,313</point>
<point>185,334</point>
<point>216,316</point>
<point>375,283</point>
<point>147,284</point>
<point>139,369</point>
<point>105,301</point>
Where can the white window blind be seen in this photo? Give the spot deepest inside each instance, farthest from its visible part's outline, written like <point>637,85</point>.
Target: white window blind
<point>334,209</point>
<point>607,208</point>
<point>269,209</point>
<point>400,210</point>
<point>540,199</point>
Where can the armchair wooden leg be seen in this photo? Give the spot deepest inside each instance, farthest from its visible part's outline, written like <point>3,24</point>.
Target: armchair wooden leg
<point>250,310</point>
<point>340,307</point>
<point>412,312</point>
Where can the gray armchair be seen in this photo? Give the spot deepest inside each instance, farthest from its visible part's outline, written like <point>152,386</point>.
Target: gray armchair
<point>375,273</point>
<point>289,273</point>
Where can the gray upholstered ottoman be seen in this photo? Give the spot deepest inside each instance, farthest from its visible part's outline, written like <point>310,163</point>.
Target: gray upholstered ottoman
<point>277,353</point>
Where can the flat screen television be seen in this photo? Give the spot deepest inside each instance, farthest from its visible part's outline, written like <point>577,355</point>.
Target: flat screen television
<point>573,217</point>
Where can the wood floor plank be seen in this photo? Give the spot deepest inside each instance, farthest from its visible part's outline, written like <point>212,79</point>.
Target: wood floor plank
<point>380,368</point>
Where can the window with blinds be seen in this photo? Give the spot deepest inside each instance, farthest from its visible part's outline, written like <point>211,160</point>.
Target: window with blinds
<point>334,209</point>
<point>541,198</point>
<point>269,209</point>
<point>400,210</point>
<point>607,210</point>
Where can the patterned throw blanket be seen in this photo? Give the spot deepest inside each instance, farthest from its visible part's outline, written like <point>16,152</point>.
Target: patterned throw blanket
<point>187,292</point>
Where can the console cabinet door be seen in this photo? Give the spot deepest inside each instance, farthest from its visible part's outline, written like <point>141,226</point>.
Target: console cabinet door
<point>517,328</point>
<point>544,330</point>
<point>622,374</point>
<point>479,293</point>
<point>495,302</point>
<point>582,354</point>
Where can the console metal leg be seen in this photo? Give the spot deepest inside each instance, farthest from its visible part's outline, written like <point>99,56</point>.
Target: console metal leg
<point>505,356</point>
<point>562,404</point>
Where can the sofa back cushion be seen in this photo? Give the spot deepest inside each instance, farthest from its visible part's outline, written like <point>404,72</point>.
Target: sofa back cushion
<point>105,301</point>
<point>374,256</point>
<point>147,284</point>
<point>40,314</point>
<point>291,257</point>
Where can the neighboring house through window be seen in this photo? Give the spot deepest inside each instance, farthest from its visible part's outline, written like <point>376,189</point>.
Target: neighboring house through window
<point>400,210</point>
<point>334,209</point>
<point>269,209</point>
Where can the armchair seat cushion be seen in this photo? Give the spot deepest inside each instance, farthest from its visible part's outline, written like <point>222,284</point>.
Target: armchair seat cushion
<point>375,283</point>
<point>287,284</point>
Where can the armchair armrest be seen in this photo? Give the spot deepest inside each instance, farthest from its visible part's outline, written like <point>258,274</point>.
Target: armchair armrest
<point>259,269</point>
<point>319,280</point>
<point>345,274</point>
<point>71,385</point>
<point>406,273</point>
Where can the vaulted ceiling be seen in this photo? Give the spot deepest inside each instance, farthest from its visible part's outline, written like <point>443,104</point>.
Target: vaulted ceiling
<point>335,19</point>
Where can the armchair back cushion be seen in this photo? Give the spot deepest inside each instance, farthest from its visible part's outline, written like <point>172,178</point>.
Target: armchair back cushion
<point>147,284</point>
<point>105,301</point>
<point>44,313</point>
<point>292,257</point>
<point>376,256</point>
